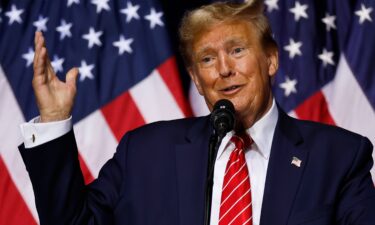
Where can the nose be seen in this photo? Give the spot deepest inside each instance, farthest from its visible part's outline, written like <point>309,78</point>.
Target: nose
<point>225,67</point>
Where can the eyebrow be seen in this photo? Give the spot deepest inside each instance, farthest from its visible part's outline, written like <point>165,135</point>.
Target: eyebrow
<point>231,41</point>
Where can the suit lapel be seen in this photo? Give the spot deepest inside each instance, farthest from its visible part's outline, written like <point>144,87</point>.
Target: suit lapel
<point>283,177</point>
<point>191,166</point>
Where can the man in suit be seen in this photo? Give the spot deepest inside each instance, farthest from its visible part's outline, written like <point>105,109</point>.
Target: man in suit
<point>292,172</point>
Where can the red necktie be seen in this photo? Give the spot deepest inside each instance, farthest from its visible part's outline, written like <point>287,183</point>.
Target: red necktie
<point>236,205</point>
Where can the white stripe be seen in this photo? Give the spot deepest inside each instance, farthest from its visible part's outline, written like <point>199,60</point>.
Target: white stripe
<point>10,119</point>
<point>154,99</point>
<point>293,114</point>
<point>248,191</point>
<point>234,175</point>
<point>230,194</point>
<point>348,104</point>
<point>247,221</point>
<point>240,214</point>
<point>230,166</point>
<point>198,105</point>
<point>96,142</point>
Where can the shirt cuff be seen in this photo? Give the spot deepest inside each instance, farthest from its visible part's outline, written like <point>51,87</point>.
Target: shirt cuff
<point>35,133</point>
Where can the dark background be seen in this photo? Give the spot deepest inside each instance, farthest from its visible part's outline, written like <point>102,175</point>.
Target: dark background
<point>173,13</point>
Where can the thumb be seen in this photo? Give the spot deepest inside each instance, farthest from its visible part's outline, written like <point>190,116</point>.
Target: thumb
<point>71,77</point>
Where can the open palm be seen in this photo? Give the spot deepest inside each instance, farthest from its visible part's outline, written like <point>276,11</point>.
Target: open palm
<point>55,98</point>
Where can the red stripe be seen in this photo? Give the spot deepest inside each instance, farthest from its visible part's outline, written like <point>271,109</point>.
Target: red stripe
<point>169,73</point>
<point>87,176</point>
<point>122,115</point>
<point>13,209</point>
<point>315,108</point>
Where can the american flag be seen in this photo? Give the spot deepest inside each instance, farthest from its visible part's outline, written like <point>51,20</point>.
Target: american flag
<point>128,75</point>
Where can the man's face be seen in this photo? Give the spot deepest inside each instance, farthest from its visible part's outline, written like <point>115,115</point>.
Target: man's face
<point>229,62</point>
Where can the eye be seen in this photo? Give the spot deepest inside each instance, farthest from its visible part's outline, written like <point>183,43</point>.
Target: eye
<point>207,60</point>
<point>238,51</point>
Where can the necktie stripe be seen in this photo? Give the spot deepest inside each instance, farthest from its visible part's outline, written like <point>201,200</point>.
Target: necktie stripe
<point>233,190</point>
<point>234,212</point>
<point>239,214</point>
<point>227,211</point>
<point>233,175</point>
<point>230,166</point>
<point>247,221</point>
<point>236,205</point>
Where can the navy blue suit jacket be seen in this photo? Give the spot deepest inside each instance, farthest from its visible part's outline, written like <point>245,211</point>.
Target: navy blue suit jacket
<point>157,176</point>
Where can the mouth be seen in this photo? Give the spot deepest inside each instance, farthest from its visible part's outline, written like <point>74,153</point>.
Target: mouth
<point>231,89</point>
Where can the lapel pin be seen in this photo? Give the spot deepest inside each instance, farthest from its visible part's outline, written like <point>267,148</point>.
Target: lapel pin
<point>296,161</point>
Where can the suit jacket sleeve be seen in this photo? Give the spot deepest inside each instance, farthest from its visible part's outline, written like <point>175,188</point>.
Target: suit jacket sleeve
<point>357,195</point>
<point>60,193</point>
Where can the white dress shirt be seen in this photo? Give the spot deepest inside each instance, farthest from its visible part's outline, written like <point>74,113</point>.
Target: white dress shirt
<point>257,162</point>
<point>35,133</point>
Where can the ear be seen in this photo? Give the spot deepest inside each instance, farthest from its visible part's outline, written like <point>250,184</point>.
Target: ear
<point>195,79</point>
<point>273,61</point>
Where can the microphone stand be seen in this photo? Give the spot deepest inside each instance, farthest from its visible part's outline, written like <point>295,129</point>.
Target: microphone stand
<point>214,144</point>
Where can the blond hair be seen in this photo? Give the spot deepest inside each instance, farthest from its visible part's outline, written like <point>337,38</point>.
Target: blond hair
<point>199,20</point>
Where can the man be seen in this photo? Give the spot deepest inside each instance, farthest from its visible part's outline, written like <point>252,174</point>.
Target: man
<point>293,172</point>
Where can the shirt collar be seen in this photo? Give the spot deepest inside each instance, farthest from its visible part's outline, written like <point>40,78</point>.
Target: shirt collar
<point>261,132</point>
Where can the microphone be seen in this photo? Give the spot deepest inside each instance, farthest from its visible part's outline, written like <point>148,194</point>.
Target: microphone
<point>222,117</point>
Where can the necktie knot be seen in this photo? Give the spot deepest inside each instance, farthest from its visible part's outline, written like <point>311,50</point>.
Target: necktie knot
<point>242,140</point>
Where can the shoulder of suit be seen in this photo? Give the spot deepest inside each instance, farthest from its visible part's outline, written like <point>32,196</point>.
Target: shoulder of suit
<point>320,131</point>
<point>167,129</point>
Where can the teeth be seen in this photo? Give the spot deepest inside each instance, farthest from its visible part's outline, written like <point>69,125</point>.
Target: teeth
<point>231,88</point>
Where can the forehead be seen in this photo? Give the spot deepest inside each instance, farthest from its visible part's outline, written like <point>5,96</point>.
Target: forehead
<point>224,33</point>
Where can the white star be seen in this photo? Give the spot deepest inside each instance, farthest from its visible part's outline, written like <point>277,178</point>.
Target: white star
<point>100,5</point>
<point>329,22</point>
<point>41,24</point>
<point>85,71</point>
<point>70,2</point>
<point>64,29</point>
<point>29,57</point>
<point>93,37</point>
<point>364,14</point>
<point>271,5</point>
<point>289,86</point>
<point>14,15</point>
<point>299,11</point>
<point>57,64</point>
<point>123,45</point>
<point>293,48</point>
<point>326,57</point>
<point>154,18</point>
<point>130,11</point>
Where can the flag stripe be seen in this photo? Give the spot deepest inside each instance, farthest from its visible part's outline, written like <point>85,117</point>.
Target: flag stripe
<point>87,176</point>
<point>13,210</point>
<point>10,117</point>
<point>169,73</point>
<point>154,100</point>
<point>349,105</point>
<point>95,141</point>
<point>122,115</point>
<point>315,109</point>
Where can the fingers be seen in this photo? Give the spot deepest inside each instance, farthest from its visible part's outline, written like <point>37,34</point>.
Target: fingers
<point>71,77</point>
<point>39,57</point>
<point>43,69</point>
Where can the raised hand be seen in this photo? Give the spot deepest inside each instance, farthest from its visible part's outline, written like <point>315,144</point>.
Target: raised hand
<point>55,98</point>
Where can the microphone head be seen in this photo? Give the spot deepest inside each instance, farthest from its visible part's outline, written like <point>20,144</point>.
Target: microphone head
<point>222,117</point>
